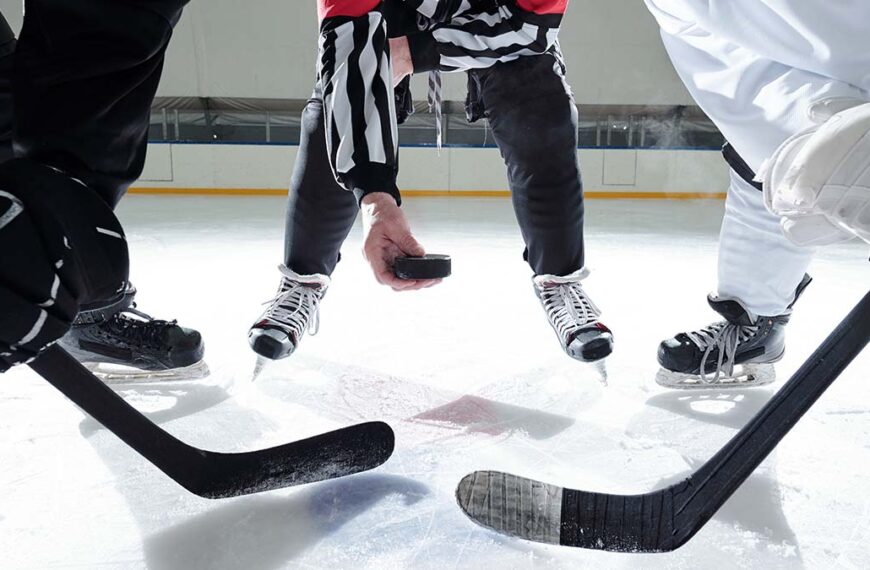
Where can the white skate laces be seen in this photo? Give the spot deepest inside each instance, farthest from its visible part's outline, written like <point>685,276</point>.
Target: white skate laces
<point>726,337</point>
<point>567,306</point>
<point>296,307</point>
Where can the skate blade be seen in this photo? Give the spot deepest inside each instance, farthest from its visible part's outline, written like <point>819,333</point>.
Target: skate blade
<point>117,374</point>
<point>600,368</point>
<point>259,367</point>
<point>745,376</point>
<point>595,359</point>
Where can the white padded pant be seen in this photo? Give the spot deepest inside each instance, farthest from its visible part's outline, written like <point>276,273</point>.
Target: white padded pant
<point>754,67</point>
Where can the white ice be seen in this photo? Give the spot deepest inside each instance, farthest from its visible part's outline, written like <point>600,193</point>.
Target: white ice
<point>469,375</point>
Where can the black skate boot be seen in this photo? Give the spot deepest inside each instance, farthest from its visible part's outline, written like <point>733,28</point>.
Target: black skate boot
<point>292,312</point>
<point>574,317</point>
<point>738,352</point>
<point>120,343</point>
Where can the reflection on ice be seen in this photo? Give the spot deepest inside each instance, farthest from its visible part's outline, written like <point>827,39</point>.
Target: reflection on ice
<point>166,402</point>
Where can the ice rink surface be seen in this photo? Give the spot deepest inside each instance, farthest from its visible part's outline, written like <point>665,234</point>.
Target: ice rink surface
<point>470,376</point>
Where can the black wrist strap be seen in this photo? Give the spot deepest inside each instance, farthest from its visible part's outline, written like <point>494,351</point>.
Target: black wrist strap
<point>739,166</point>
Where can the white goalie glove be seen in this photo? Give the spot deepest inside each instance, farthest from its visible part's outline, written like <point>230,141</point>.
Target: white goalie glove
<point>819,179</point>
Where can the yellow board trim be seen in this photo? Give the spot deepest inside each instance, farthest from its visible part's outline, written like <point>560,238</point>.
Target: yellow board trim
<point>591,195</point>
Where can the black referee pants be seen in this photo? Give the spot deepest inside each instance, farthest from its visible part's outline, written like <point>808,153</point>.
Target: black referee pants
<point>534,122</point>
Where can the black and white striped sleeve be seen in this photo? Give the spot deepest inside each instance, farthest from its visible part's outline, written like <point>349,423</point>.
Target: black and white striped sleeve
<point>355,79</point>
<point>439,10</point>
<point>479,37</point>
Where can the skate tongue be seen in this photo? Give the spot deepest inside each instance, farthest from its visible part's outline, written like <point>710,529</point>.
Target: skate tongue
<point>576,277</point>
<point>733,311</point>
<point>314,281</point>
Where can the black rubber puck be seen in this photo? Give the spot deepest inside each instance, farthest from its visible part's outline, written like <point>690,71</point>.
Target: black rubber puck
<point>430,266</point>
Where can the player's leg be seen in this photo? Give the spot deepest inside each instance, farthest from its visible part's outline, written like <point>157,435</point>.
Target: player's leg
<point>7,53</point>
<point>320,215</point>
<point>757,103</point>
<point>533,117</point>
<point>828,39</point>
<point>320,212</point>
<point>84,106</point>
<point>91,122</point>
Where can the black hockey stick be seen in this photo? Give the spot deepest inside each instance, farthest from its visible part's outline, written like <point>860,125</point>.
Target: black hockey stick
<point>217,475</point>
<point>664,520</point>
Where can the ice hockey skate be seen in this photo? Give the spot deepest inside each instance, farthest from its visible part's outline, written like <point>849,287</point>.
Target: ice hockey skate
<point>574,317</point>
<point>738,352</point>
<point>292,312</point>
<point>126,345</point>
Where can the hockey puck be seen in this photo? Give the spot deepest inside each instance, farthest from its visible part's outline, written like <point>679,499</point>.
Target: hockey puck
<point>430,266</point>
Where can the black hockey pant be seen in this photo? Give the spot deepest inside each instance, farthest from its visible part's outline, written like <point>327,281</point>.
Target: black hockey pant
<point>7,52</point>
<point>85,106</point>
<point>534,122</point>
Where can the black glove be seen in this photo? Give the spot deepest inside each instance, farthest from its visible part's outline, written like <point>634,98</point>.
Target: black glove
<point>61,249</point>
<point>404,100</point>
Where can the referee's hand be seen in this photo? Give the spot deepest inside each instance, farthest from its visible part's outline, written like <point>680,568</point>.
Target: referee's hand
<point>388,236</point>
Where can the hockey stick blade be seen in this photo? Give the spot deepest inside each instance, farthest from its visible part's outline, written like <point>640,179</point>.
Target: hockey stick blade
<point>211,474</point>
<point>663,520</point>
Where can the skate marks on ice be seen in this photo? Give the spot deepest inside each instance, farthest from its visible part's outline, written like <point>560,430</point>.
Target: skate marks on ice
<point>271,531</point>
<point>690,424</point>
<point>479,415</point>
<point>753,518</point>
<point>350,393</point>
<point>166,401</point>
<point>810,482</point>
<point>163,403</point>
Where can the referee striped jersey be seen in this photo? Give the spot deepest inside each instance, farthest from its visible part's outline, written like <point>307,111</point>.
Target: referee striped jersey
<point>354,73</point>
<point>468,34</point>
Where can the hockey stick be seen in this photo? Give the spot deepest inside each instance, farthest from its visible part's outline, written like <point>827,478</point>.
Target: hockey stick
<point>664,520</point>
<point>207,473</point>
